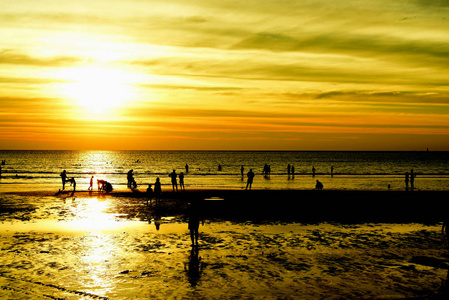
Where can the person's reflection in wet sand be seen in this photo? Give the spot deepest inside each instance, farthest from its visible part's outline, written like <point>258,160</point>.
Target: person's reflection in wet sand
<point>194,267</point>
<point>194,214</point>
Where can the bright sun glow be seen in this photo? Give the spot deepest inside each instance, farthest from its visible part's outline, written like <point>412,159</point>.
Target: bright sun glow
<point>98,89</point>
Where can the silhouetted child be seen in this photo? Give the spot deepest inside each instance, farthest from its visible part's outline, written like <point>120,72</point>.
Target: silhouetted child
<point>319,185</point>
<point>149,194</point>
<point>181,182</point>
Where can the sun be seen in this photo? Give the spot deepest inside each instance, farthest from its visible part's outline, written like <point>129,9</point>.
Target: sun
<point>98,89</point>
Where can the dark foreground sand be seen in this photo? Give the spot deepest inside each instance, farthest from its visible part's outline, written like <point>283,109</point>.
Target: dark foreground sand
<point>259,244</point>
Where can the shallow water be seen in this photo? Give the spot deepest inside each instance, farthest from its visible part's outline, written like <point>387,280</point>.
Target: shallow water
<point>111,248</point>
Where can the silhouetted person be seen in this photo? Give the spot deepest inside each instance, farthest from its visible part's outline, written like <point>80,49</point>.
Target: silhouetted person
<point>219,168</point>
<point>332,171</point>
<point>187,168</point>
<point>318,185</point>
<point>157,190</point>
<point>407,179</point>
<point>313,171</point>
<point>412,179</point>
<point>133,184</point>
<point>174,181</point>
<point>288,169</point>
<point>73,183</point>
<point>250,176</point>
<point>150,194</point>
<point>181,182</point>
<point>293,171</point>
<point>63,178</point>
<point>242,170</point>
<point>130,177</point>
<point>91,185</point>
<point>194,221</point>
<point>194,267</point>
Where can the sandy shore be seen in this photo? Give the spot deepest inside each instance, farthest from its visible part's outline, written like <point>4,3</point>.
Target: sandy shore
<point>259,244</point>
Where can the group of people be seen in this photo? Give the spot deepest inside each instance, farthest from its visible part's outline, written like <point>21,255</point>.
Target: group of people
<point>174,180</point>
<point>64,180</point>
<point>410,177</point>
<point>132,184</point>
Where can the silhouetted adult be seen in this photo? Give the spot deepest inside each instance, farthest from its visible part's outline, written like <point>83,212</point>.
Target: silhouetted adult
<point>63,178</point>
<point>194,221</point>
<point>250,176</point>
<point>293,171</point>
<point>332,171</point>
<point>130,177</point>
<point>412,179</point>
<point>73,183</point>
<point>187,168</point>
<point>181,182</point>
<point>91,185</point>
<point>219,168</point>
<point>242,170</point>
<point>288,169</point>
<point>318,186</point>
<point>174,181</point>
<point>157,190</point>
<point>313,171</point>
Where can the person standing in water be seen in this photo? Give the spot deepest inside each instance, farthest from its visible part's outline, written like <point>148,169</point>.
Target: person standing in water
<point>181,182</point>
<point>91,186</point>
<point>157,190</point>
<point>174,181</point>
<point>63,178</point>
<point>250,176</point>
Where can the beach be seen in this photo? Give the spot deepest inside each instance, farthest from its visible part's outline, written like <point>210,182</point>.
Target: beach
<point>259,244</point>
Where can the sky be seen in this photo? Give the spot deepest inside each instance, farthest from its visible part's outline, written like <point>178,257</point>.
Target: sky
<point>224,75</point>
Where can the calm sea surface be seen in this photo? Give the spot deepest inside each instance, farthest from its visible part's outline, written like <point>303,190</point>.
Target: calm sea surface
<point>39,170</point>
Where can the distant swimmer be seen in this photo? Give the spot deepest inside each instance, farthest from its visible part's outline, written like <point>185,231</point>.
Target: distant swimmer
<point>318,186</point>
<point>250,176</point>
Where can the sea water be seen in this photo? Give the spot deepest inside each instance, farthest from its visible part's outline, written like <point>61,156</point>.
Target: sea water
<point>40,170</point>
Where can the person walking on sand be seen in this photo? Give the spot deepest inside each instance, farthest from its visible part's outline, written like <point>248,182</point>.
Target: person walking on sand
<point>250,176</point>
<point>181,182</point>
<point>63,178</point>
<point>91,186</point>
<point>157,190</point>
<point>288,170</point>
<point>242,170</point>
<point>194,221</point>
<point>174,181</point>
<point>313,171</point>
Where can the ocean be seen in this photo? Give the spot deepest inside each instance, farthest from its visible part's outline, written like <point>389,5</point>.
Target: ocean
<point>39,170</point>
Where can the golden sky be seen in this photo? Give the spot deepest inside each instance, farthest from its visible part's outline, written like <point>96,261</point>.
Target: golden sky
<point>240,75</point>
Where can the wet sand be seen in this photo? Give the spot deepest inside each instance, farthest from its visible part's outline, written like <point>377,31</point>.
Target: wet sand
<point>256,244</point>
